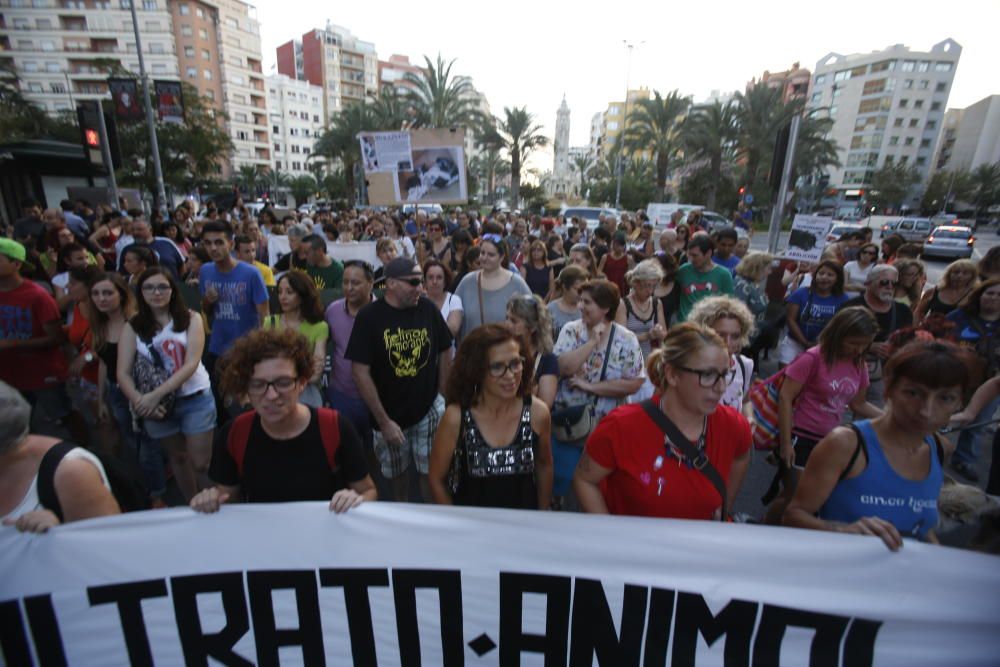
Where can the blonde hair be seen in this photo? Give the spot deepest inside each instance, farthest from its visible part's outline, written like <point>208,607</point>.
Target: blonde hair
<point>753,265</point>
<point>681,342</point>
<point>709,311</point>
<point>532,311</point>
<point>647,269</point>
<point>966,264</point>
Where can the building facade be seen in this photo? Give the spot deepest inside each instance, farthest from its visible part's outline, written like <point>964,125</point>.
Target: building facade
<point>888,107</point>
<point>345,67</point>
<point>392,73</point>
<point>295,115</point>
<point>614,118</point>
<point>970,136</point>
<point>793,82</point>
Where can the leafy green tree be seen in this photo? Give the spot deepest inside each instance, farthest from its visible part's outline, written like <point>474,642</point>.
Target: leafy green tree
<point>338,143</point>
<point>391,111</point>
<point>656,125</point>
<point>814,150</point>
<point>440,100</point>
<point>302,187</point>
<point>944,188</point>
<point>985,182</point>
<point>518,134</point>
<point>489,165</point>
<point>534,196</point>
<point>891,184</point>
<point>710,136</point>
<point>583,165</point>
<point>276,182</point>
<point>761,112</point>
<point>248,178</point>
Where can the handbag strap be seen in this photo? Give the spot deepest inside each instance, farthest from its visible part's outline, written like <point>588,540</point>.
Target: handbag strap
<point>607,352</point>
<point>697,457</point>
<point>479,287</point>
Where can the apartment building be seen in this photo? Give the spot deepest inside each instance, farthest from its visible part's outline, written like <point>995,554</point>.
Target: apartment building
<point>970,136</point>
<point>295,113</point>
<point>888,108</point>
<point>345,67</point>
<point>793,82</point>
<point>392,73</point>
<point>614,117</point>
<point>61,49</point>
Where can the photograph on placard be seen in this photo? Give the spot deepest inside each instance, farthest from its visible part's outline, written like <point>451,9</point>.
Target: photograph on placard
<point>438,174</point>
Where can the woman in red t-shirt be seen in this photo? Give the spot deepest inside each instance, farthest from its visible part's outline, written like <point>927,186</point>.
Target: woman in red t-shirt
<point>629,467</point>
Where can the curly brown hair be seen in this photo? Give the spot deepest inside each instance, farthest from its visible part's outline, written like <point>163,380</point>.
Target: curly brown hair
<point>238,363</point>
<point>471,364</point>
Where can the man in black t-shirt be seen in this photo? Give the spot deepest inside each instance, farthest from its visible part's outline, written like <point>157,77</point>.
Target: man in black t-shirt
<point>401,352</point>
<point>879,298</point>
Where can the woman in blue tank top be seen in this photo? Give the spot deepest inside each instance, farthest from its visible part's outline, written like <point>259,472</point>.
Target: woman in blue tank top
<point>883,476</point>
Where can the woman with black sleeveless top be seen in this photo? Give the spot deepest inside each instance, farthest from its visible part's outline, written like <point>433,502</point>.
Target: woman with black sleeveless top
<point>492,445</point>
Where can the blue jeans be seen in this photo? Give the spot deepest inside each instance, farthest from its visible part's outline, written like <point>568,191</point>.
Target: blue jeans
<point>967,449</point>
<point>147,450</point>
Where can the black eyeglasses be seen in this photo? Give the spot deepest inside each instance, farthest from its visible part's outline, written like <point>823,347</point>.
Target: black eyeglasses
<point>499,368</point>
<point>156,289</point>
<point>281,385</point>
<point>708,377</point>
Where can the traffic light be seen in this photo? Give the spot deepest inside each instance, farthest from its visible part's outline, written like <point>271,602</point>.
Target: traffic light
<point>90,127</point>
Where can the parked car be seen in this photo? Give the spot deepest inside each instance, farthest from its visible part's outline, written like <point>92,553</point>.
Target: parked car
<point>842,228</point>
<point>914,230</point>
<point>888,228</point>
<point>950,241</point>
<point>945,219</point>
<point>432,210</point>
<point>714,221</point>
<point>588,213</point>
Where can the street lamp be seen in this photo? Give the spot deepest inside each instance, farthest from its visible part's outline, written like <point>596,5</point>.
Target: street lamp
<point>619,167</point>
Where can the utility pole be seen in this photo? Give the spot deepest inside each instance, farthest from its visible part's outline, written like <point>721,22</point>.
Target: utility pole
<point>150,119</point>
<point>777,213</point>
<point>619,162</point>
<point>106,154</point>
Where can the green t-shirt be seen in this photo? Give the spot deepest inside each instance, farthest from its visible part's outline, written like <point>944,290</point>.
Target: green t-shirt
<point>327,277</point>
<point>695,286</point>
<point>312,332</point>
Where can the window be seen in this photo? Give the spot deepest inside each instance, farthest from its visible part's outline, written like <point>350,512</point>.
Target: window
<point>149,5</point>
<point>837,92</point>
<point>274,128</point>
<point>232,23</point>
<point>296,166</point>
<point>202,33</point>
<point>24,45</point>
<point>859,71</point>
<point>21,24</point>
<point>43,24</point>
<point>908,141</point>
<point>613,111</point>
<point>34,87</point>
<point>875,104</point>
<point>898,122</point>
<point>909,65</point>
<point>57,87</point>
<point>156,47</point>
<point>240,117</point>
<point>918,104</point>
<point>305,150</point>
<point>904,103</point>
<point>315,118</point>
<point>925,143</point>
<point>893,141</point>
<point>200,12</point>
<point>277,148</point>
<point>904,159</point>
<point>207,74</point>
<point>613,125</point>
<point>185,30</point>
<point>935,106</point>
<point>914,122</point>
<point>940,87</point>
<point>29,67</point>
<point>192,72</point>
<point>921,161</point>
<point>159,68</point>
<point>883,66</point>
<point>305,133</point>
<point>907,84</point>
<point>210,94</point>
<point>184,10</point>
<point>241,135</point>
<point>48,45</point>
<point>206,54</point>
<point>924,84</point>
<point>843,75</point>
<point>930,125</point>
<point>869,123</point>
<point>236,79</point>
<point>923,66</point>
<point>53,67</point>
<point>889,159</point>
<point>942,67</point>
<point>296,149</point>
<point>293,131</point>
<point>874,86</point>
<point>189,52</point>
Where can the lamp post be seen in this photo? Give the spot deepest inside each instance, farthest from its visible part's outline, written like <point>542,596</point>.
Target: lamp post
<point>150,120</point>
<point>619,165</point>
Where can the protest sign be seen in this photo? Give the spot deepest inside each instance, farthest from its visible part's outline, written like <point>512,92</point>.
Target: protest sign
<point>410,584</point>
<point>808,238</point>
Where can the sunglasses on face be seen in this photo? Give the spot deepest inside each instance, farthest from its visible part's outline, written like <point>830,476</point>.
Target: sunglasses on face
<point>887,283</point>
<point>412,282</point>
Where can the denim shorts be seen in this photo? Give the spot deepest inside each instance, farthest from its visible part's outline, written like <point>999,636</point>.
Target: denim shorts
<point>192,415</point>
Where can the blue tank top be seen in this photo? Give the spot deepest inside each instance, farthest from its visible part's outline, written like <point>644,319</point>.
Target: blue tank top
<point>911,506</point>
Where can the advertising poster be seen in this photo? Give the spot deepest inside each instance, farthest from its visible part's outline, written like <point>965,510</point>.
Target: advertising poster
<point>125,97</point>
<point>169,101</point>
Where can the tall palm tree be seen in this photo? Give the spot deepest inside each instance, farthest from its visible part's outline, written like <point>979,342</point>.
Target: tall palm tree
<point>583,164</point>
<point>390,110</point>
<point>441,100</point>
<point>276,181</point>
<point>248,177</point>
<point>814,150</point>
<point>711,136</point>
<point>761,112</point>
<point>339,143</point>
<point>518,134</point>
<point>656,125</point>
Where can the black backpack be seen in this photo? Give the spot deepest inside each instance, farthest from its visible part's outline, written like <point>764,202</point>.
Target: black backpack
<point>125,479</point>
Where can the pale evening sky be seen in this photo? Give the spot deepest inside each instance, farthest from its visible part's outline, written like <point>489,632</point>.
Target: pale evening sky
<point>530,53</point>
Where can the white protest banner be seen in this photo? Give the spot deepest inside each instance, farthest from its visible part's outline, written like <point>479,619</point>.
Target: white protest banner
<point>400,584</point>
<point>808,238</point>
<point>363,250</point>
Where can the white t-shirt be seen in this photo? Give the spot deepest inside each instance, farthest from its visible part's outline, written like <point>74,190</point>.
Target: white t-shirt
<point>854,274</point>
<point>30,501</point>
<point>738,388</point>
<point>404,246</point>
<point>172,346</point>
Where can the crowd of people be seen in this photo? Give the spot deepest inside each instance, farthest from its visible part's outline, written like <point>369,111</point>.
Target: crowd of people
<point>504,360</point>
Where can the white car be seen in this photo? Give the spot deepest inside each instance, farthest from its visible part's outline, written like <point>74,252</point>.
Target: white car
<point>588,213</point>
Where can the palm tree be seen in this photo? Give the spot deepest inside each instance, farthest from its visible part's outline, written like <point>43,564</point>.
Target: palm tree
<point>761,112</point>
<point>656,125</point>
<point>711,136</point>
<point>276,181</point>
<point>390,110</point>
<point>339,141</point>
<point>518,134</point>
<point>583,164</point>
<point>814,150</point>
<point>248,177</point>
<point>441,100</point>
<point>302,187</point>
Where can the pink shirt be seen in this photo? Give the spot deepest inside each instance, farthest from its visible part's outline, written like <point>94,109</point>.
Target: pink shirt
<point>826,391</point>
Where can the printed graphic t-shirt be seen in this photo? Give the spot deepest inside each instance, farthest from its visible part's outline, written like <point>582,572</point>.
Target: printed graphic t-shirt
<point>821,310</point>
<point>696,285</point>
<point>24,311</point>
<point>401,347</point>
<point>825,391</point>
<point>235,314</point>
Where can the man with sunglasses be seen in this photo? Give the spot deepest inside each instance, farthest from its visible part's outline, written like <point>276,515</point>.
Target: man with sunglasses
<point>400,349</point>
<point>892,315</point>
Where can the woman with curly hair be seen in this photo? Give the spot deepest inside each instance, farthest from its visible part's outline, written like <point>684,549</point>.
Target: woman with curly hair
<point>732,320</point>
<point>282,450</point>
<point>530,319</point>
<point>491,448</point>
<point>302,311</point>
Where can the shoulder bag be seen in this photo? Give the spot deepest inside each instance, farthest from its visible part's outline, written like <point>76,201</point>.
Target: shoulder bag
<point>148,375</point>
<point>575,422</point>
<point>699,461</point>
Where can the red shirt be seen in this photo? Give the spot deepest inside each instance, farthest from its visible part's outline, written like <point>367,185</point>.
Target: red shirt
<point>646,481</point>
<point>24,311</point>
<point>80,337</point>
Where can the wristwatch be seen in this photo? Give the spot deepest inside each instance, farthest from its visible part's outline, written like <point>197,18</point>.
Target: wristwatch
<point>89,357</point>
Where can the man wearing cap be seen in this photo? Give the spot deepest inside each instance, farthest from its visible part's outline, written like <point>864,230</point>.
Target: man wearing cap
<point>400,351</point>
<point>31,334</point>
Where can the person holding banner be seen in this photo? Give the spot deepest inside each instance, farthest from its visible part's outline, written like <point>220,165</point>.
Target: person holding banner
<point>282,450</point>
<point>883,476</point>
<point>689,468</point>
<point>475,459</point>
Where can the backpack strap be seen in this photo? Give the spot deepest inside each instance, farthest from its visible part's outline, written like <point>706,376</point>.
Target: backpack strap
<point>45,483</point>
<point>239,437</point>
<point>329,432</point>
<point>857,450</point>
